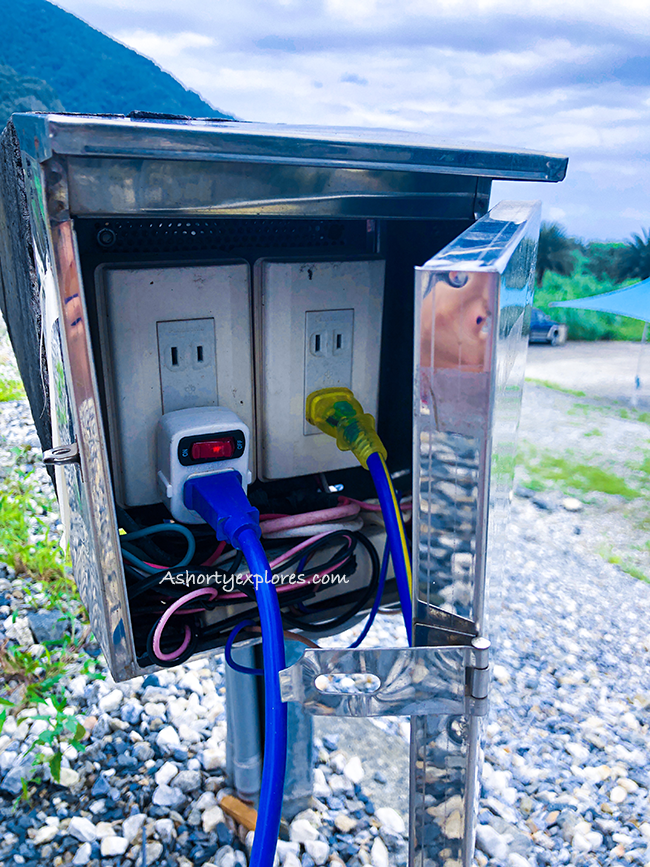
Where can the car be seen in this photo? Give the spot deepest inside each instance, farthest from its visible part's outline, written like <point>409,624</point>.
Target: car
<point>544,330</point>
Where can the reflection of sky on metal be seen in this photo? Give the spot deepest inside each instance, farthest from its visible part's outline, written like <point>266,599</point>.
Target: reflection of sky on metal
<point>566,78</point>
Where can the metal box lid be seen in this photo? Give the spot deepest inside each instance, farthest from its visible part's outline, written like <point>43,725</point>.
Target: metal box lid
<point>43,135</point>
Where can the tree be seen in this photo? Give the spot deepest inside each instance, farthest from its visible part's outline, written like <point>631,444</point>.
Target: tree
<point>603,259</point>
<point>635,257</point>
<point>555,252</point>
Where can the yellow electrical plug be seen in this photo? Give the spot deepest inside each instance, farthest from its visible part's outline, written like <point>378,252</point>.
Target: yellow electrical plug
<point>337,412</point>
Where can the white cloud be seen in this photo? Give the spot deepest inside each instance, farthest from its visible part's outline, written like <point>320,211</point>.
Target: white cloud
<point>551,75</point>
<point>162,47</point>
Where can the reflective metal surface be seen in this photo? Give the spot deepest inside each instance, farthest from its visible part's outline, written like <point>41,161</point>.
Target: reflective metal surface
<point>119,167</point>
<point>94,543</point>
<point>470,351</point>
<point>393,681</point>
<point>375,149</point>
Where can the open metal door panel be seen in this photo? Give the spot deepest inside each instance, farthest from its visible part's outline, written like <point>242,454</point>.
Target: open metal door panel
<point>473,304</point>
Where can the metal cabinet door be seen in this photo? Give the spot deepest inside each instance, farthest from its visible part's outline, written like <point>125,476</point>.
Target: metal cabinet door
<point>473,303</point>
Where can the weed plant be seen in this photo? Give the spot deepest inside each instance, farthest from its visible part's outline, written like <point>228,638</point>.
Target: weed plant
<point>11,389</point>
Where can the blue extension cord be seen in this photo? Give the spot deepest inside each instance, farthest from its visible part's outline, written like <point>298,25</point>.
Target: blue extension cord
<point>221,502</point>
<point>392,519</point>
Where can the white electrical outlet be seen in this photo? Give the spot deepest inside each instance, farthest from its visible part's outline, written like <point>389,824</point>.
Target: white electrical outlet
<point>329,343</point>
<point>318,324</point>
<point>143,314</point>
<point>188,363</point>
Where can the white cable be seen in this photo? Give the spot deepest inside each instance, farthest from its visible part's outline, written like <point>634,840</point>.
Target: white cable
<point>315,530</point>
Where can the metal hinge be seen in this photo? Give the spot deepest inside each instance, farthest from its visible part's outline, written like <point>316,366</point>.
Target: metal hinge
<point>62,455</point>
<point>400,681</point>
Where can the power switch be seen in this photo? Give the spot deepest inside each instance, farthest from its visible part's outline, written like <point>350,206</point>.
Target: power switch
<point>210,447</point>
<point>214,450</point>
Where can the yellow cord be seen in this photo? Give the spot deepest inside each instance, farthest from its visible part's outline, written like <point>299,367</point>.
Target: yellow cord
<point>400,523</point>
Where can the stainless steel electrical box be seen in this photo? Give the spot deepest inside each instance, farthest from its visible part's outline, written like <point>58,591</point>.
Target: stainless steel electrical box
<point>152,265</point>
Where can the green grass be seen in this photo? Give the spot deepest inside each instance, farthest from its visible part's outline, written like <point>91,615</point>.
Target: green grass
<point>635,415</point>
<point>11,389</point>
<point>547,384</point>
<point>624,565</point>
<point>545,469</point>
<point>594,432</point>
<point>21,515</point>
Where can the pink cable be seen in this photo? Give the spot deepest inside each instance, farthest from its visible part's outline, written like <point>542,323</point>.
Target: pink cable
<point>308,518</point>
<point>210,591</point>
<point>164,620</point>
<point>292,551</point>
<point>279,560</point>
<point>375,507</point>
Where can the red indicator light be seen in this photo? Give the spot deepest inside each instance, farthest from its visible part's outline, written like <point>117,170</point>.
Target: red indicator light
<point>213,450</point>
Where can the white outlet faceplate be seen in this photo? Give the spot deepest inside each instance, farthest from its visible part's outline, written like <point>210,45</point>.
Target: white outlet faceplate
<point>144,313</point>
<point>329,342</point>
<point>318,324</point>
<point>188,364</point>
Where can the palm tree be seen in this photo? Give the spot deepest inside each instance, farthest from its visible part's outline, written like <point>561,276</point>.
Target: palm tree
<point>635,257</point>
<point>555,251</point>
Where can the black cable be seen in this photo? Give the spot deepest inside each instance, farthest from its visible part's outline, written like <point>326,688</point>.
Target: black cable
<point>215,635</point>
<point>174,639</point>
<point>335,622</point>
<point>155,582</point>
<point>148,546</point>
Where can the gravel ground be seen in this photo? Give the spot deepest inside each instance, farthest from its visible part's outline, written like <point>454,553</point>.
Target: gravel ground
<point>567,775</point>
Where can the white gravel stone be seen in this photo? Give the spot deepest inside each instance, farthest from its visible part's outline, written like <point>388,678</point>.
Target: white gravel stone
<point>166,773</point>
<point>45,834</point>
<point>286,847</point>
<point>318,850</point>
<point>517,860</point>
<point>168,796</point>
<point>82,855</point>
<point>83,829</point>
<point>155,709</point>
<point>379,853</point>
<point>111,846</point>
<point>211,818</point>
<point>111,702</point>
<point>165,829</point>
<point>68,778</point>
<point>211,758</point>
<point>302,831</point>
<point>578,751</point>
<point>491,842</point>
<point>617,795</point>
<point>192,683</point>
<point>154,851</point>
<point>188,781</point>
<point>132,826</point>
<point>206,801</point>
<point>353,770</point>
<point>188,734</point>
<point>167,739</point>
<point>18,630</point>
<point>390,819</point>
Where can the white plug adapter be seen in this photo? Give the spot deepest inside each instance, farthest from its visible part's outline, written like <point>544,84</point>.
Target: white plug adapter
<point>199,441</point>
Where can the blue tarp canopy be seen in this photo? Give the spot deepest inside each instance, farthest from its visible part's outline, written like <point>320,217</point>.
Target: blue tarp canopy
<point>633,301</point>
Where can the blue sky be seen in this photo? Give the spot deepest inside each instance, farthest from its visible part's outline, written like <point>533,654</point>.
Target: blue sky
<point>568,77</point>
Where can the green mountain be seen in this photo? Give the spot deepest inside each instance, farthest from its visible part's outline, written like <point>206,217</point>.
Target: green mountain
<point>24,93</point>
<point>61,58</point>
